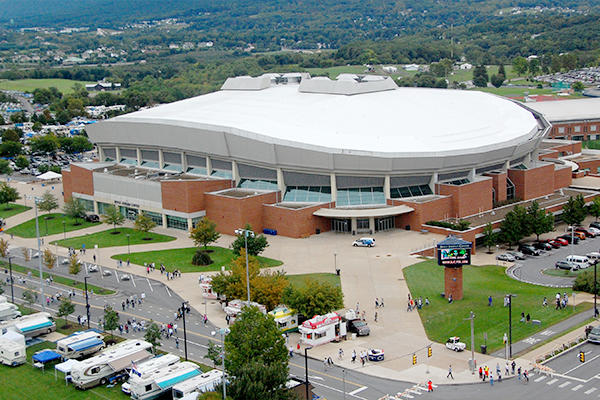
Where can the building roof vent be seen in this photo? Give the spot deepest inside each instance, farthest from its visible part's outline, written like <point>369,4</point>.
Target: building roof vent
<point>348,85</point>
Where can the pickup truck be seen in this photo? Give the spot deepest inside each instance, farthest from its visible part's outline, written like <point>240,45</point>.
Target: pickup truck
<point>455,344</point>
<point>359,327</point>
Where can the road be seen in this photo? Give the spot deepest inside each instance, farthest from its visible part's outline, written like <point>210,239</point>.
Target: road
<point>331,383</point>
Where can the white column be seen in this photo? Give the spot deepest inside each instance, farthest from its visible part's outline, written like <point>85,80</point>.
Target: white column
<point>164,220</point>
<point>235,173</point>
<point>386,187</point>
<point>138,153</point>
<point>528,159</point>
<point>506,166</point>
<point>372,224</point>
<point>208,166</point>
<point>161,159</point>
<point>280,182</point>
<point>433,181</point>
<point>117,154</point>
<point>333,187</point>
<point>95,207</point>
<point>101,156</point>
<point>472,174</point>
<point>190,224</point>
<point>184,165</point>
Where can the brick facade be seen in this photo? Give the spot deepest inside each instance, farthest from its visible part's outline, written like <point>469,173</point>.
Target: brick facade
<point>78,180</point>
<point>532,183</point>
<point>434,210</point>
<point>231,213</point>
<point>470,198</point>
<point>188,195</point>
<point>499,185</point>
<point>295,223</point>
<point>562,178</point>
<point>453,283</point>
<point>570,128</point>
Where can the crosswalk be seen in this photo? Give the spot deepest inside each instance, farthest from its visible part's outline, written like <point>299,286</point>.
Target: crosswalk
<point>563,382</point>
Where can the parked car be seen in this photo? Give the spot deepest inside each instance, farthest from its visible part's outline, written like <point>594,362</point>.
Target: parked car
<point>92,268</point>
<point>555,244</point>
<point>529,250</point>
<point>125,277</point>
<point>364,242</point>
<point>594,257</point>
<point>585,232</point>
<point>517,254</point>
<point>505,257</point>
<point>595,224</point>
<point>359,327</point>
<point>543,246</point>
<point>579,262</point>
<point>594,335</point>
<point>580,235</point>
<point>455,344</point>
<point>106,273</point>
<point>562,264</point>
<point>593,230</point>
<point>568,238</point>
<point>92,218</point>
<point>561,241</point>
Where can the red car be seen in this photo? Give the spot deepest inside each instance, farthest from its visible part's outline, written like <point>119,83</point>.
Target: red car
<point>561,241</point>
<point>585,232</point>
<point>553,243</point>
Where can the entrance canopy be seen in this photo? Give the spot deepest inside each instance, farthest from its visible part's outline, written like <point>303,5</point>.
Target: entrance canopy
<point>362,212</point>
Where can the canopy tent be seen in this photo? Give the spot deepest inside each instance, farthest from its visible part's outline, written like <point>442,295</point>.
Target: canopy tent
<point>65,368</point>
<point>46,356</point>
<point>46,176</point>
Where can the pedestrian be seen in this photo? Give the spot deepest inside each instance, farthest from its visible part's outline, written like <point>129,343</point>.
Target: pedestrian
<point>430,386</point>
<point>79,319</point>
<point>480,372</point>
<point>491,380</point>
<point>450,372</point>
<point>175,328</point>
<point>123,305</point>
<point>507,368</point>
<point>340,353</point>
<point>94,258</point>
<point>353,356</point>
<point>381,303</point>
<point>499,378</point>
<point>526,376</point>
<point>329,361</point>
<point>205,319</point>
<point>528,318</point>
<point>325,364</point>
<point>545,302</point>
<point>426,301</point>
<point>376,302</point>
<point>127,262</point>
<point>490,301</point>
<point>176,342</point>
<point>513,366</point>
<point>497,368</point>
<point>519,373</point>
<point>375,316</point>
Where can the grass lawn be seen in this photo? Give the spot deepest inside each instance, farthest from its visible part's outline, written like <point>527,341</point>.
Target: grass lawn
<point>108,239</point>
<point>50,224</point>
<point>442,320</point>
<point>298,281</point>
<point>333,72</point>
<point>10,209</point>
<point>29,85</point>
<point>181,259</point>
<point>59,279</point>
<point>562,272</point>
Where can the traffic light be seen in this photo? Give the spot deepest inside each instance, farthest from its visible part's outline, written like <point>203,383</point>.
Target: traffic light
<point>581,356</point>
<point>414,359</point>
<point>429,351</point>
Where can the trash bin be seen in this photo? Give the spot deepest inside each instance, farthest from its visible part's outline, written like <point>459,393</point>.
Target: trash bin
<point>337,271</point>
<point>483,349</point>
<point>318,231</point>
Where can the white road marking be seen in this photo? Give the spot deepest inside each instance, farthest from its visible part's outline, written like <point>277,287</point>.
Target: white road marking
<point>316,377</point>
<point>590,391</point>
<point>169,293</point>
<point>582,364</point>
<point>576,387</point>
<point>414,391</point>
<point>408,396</point>
<point>562,385</point>
<point>148,280</point>
<point>133,281</point>
<point>552,381</point>
<point>541,378</point>
<point>547,332</point>
<point>360,389</point>
<point>117,276</point>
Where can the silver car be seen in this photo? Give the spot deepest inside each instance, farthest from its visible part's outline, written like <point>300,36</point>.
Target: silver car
<point>594,335</point>
<point>505,257</point>
<point>517,254</point>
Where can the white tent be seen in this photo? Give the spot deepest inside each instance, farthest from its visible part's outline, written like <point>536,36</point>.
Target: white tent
<point>65,368</point>
<point>46,176</point>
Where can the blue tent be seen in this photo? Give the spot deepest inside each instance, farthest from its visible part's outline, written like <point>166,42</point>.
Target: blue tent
<point>46,356</point>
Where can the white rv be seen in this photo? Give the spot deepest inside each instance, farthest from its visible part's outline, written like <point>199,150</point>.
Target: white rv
<point>12,349</point>
<point>31,325</point>
<point>149,366</point>
<point>9,311</point>
<point>206,382</point>
<point>80,344</point>
<point>112,361</point>
<point>162,380</point>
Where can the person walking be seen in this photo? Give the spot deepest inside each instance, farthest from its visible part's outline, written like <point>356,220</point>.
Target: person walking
<point>430,386</point>
<point>513,366</point>
<point>490,301</point>
<point>491,380</point>
<point>177,343</point>
<point>450,372</point>
<point>340,353</point>
<point>325,364</point>
<point>525,376</point>
<point>375,316</point>
<point>353,356</point>
<point>480,372</point>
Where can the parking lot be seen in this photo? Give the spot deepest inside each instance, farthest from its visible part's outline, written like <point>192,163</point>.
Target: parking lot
<point>531,269</point>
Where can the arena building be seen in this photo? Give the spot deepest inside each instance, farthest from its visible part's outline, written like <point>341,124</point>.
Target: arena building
<point>572,119</point>
<point>301,155</point>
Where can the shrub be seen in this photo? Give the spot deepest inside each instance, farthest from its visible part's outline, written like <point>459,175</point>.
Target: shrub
<point>585,282</point>
<point>461,225</point>
<point>201,258</point>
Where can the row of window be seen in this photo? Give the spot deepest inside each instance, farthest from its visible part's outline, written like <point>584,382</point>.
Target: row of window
<point>308,194</point>
<point>577,129</point>
<point>360,196</point>
<point>257,184</point>
<point>410,191</point>
<point>132,213</point>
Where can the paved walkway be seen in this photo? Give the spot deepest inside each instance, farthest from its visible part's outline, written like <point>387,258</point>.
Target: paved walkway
<point>366,273</point>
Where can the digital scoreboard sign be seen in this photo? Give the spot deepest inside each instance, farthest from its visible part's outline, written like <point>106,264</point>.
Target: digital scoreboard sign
<point>454,253</point>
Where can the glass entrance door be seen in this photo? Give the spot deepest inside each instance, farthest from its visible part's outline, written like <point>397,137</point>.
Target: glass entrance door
<point>384,224</point>
<point>340,225</point>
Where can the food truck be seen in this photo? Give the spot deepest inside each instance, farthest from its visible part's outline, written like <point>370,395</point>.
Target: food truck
<point>206,288</point>
<point>322,329</point>
<point>234,307</point>
<point>286,319</point>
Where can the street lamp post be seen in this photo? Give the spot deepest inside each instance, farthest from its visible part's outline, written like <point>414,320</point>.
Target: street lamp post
<point>128,251</point>
<point>510,296</point>
<point>595,291</point>
<point>87,302</point>
<point>335,261</point>
<point>12,292</point>
<point>306,369</point>
<point>246,233</point>
<point>223,332</point>
<point>64,229</point>
<point>183,307</point>
<point>37,234</point>
<point>472,318</point>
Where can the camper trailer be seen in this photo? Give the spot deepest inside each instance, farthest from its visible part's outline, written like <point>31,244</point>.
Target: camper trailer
<point>323,329</point>
<point>80,344</point>
<point>149,366</point>
<point>162,380</point>
<point>12,349</point>
<point>8,311</point>
<point>234,307</point>
<point>206,382</point>
<point>286,319</point>
<point>112,361</point>
<point>31,325</point>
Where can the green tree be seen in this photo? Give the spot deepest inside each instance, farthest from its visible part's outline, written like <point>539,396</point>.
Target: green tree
<point>111,320</point>
<point>205,233</point>
<point>48,202</point>
<point>37,126</point>
<point>152,335</point>
<point>520,66</point>
<point>48,258</point>
<point>257,358</point>
<point>65,309</point>
<point>2,122</point>
<point>497,80</point>
<point>480,76</point>
<point>44,144</point>
<point>74,265</point>
<point>21,161</point>
<point>256,243</point>
<point>314,298</point>
<point>574,211</point>
<point>30,296</point>
<point>113,216</point>
<point>578,86</point>
<point>143,223</point>
<point>11,135</point>
<point>10,149</point>
<point>489,237</point>
<point>594,208</point>
<point>5,168</point>
<point>8,194</point>
<point>534,66</point>
<point>501,70</point>
<point>514,227</point>
<point>62,117</point>
<point>74,208</point>
<point>539,220</point>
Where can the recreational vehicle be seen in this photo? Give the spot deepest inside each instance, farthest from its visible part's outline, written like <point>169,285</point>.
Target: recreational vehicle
<point>12,349</point>
<point>149,366</point>
<point>8,311</point>
<point>99,369</point>
<point>31,325</point>
<point>80,344</point>
<point>162,380</point>
<point>206,382</point>
<point>286,319</point>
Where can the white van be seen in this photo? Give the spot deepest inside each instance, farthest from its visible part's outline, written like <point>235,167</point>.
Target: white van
<point>8,311</point>
<point>579,262</point>
<point>594,257</point>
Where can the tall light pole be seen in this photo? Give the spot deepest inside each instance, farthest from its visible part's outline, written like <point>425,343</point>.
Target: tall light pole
<point>183,308</point>
<point>87,302</point>
<point>472,318</point>
<point>37,234</point>
<point>128,251</point>
<point>12,292</point>
<point>223,332</point>
<point>246,233</point>
<point>510,296</point>
<point>306,369</point>
<point>595,291</point>
<point>64,229</point>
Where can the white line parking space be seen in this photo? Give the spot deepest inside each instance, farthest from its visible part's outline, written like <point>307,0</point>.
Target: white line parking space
<point>149,284</point>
